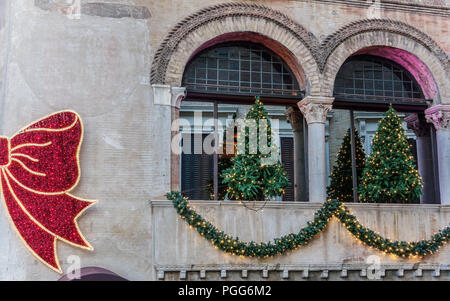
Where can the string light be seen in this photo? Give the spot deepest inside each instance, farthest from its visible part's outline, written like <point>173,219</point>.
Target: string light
<point>330,209</point>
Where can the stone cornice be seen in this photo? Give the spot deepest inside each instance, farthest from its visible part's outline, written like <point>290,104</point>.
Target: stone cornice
<point>435,7</point>
<point>107,10</point>
<point>439,116</point>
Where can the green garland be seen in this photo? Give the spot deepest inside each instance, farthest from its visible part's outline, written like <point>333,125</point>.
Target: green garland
<point>293,241</point>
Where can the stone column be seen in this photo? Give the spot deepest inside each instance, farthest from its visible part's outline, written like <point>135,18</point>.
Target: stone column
<point>171,97</point>
<point>315,110</point>
<point>296,120</point>
<point>439,116</point>
<point>424,156</point>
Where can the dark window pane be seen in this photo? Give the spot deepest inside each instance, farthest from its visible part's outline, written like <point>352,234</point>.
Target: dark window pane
<point>287,79</point>
<point>359,84</point>
<point>245,65</point>
<point>255,55</point>
<point>379,85</point>
<point>378,75</point>
<point>234,65</point>
<point>245,76</point>
<point>256,66</point>
<point>223,75</point>
<point>277,78</point>
<point>212,63</point>
<point>234,75</point>
<point>368,85</point>
<point>201,73</point>
<point>233,53</point>
<point>256,77</point>
<point>223,64</point>
<point>276,68</point>
<point>398,86</point>
<point>266,77</point>
<point>388,85</point>
<point>266,67</point>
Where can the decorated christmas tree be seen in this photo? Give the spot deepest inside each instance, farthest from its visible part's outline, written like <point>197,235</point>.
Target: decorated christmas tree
<point>256,173</point>
<point>341,187</point>
<point>390,175</point>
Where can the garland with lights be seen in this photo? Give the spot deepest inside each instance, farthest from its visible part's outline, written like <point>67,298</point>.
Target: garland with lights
<point>293,241</point>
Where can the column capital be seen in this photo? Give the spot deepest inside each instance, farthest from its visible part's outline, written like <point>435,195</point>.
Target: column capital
<point>418,124</point>
<point>315,108</point>
<point>295,118</point>
<point>439,116</point>
<point>167,95</point>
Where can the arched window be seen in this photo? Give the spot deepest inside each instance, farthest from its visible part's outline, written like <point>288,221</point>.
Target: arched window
<point>222,82</point>
<point>240,69</point>
<point>364,87</point>
<point>372,79</point>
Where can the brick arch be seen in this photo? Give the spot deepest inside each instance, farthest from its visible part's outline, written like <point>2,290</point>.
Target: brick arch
<point>94,274</point>
<point>393,40</point>
<point>223,20</point>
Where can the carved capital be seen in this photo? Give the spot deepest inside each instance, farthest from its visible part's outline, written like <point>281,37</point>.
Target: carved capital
<point>418,124</point>
<point>178,94</point>
<point>439,116</point>
<point>315,109</point>
<point>295,118</point>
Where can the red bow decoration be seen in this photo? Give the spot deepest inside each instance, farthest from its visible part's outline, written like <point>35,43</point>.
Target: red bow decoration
<point>39,166</point>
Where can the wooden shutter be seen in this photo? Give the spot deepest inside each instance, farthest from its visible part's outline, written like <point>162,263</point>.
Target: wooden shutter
<point>287,158</point>
<point>196,171</point>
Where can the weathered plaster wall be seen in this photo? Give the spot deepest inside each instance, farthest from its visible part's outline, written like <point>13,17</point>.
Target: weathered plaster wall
<point>4,18</point>
<point>98,67</point>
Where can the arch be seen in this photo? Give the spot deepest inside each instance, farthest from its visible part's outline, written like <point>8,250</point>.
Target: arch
<point>234,19</point>
<point>94,274</point>
<point>393,40</point>
<point>285,54</point>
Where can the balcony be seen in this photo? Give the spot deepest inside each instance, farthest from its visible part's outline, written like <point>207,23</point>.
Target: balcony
<point>181,253</point>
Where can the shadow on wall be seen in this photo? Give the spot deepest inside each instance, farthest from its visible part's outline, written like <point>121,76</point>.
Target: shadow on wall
<point>94,274</point>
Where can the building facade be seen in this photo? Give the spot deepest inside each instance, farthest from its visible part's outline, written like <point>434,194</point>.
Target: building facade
<point>124,67</point>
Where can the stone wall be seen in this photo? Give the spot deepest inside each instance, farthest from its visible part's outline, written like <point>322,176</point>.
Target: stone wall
<point>98,67</point>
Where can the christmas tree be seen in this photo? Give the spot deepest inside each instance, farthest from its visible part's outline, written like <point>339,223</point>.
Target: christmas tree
<point>390,174</point>
<point>256,173</point>
<point>341,187</point>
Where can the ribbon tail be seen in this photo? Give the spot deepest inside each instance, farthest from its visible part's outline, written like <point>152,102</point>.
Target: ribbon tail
<point>40,242</point>
<point>55,213</point>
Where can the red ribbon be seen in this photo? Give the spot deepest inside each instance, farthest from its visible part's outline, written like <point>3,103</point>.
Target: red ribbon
<point>39,166</point>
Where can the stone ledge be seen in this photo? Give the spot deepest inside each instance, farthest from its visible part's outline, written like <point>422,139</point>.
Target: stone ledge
<point>435,7</point>
<point>324,271</point>
<point>307,205</point>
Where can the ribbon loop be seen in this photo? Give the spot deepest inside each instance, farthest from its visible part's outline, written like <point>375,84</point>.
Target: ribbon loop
<point>5,150</point>
<point>39,166</point>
